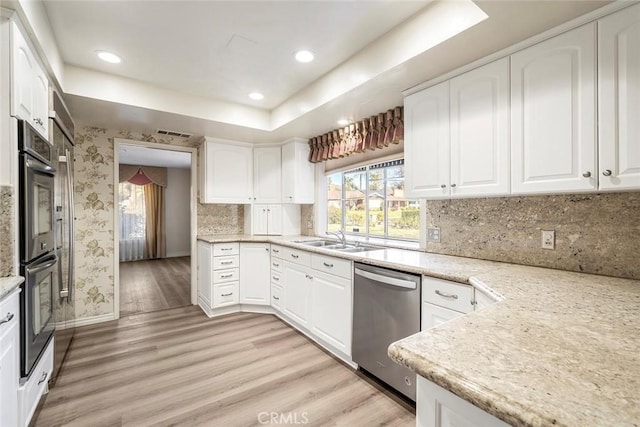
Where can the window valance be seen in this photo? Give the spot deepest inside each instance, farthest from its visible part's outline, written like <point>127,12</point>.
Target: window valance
<point>373,133</point>
<point>143,175</point>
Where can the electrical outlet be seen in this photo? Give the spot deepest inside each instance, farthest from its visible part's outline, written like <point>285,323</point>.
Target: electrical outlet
<point>548,239</point>
<point>433,234</point>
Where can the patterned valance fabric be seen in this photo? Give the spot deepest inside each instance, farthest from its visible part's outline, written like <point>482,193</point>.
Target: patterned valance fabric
<point>143,175</point>
<point>369,134</point>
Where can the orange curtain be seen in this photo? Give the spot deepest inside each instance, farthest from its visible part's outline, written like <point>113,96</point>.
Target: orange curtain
<point>154,209</point>
<point>371,133</point>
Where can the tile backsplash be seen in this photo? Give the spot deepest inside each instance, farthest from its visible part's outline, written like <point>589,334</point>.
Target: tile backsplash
<point>595,233</point>
<point>6,231</point>
<point>220,219</point>
<point>306,220</point>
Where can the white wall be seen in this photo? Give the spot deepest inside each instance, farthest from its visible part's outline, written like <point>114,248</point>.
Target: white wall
<point>177,212</point>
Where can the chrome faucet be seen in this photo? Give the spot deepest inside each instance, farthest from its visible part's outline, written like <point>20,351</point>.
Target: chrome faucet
<point>339,235</point>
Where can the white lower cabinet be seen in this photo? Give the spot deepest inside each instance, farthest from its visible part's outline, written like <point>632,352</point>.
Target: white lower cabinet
<point>255,266</point>
<point>331,309</point>
<point>297,292</point>
<point>9,365</point>
<point>437,407</point>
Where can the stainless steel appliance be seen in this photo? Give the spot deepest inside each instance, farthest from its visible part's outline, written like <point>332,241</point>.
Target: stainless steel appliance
<point>62,129</point>
<point>37,257</point>
<point>386,308</point>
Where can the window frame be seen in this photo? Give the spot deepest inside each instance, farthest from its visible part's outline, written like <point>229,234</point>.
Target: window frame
<point>384,166</point>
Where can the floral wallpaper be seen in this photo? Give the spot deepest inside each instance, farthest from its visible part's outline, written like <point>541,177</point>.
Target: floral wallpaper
<point>94,187</point>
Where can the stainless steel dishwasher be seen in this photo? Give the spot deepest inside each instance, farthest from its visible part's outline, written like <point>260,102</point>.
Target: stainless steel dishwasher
<point>386,308</point>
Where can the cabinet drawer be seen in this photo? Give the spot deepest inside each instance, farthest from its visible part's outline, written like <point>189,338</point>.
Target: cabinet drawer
<point>225,262</point>
<point>8,312</point>
<point>35,386</point>
<point>226,249</point>
<point>331,265</point>
<point>230,275</point>
<point>297,256</point>
<point>444,293</point>
<point>276,277</point>
<point>277,251</point>
<point>276,296</point>
<point>276,265</point>
<point>226,294</point>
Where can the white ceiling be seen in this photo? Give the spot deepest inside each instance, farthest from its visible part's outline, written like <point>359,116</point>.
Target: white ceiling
<point>188,65</point>
<point>144,156</point>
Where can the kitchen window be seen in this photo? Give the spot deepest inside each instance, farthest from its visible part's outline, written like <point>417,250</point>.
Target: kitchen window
<point>369,201</point>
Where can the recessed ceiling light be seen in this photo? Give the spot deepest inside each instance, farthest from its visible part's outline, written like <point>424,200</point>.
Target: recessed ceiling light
<point>109,57</point>
<point>343,122</point>
<point>256,95</point>
<point>304,56</point>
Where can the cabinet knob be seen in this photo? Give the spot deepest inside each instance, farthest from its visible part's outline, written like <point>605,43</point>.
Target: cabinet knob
<point>453,185</point>
<point>443,186</point>
<point>587,174</point>
<point>607,172</point>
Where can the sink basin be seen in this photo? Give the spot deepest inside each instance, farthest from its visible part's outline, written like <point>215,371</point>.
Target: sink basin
<point>317,243</point>
<point>357,249</point>
<point>335,246</point>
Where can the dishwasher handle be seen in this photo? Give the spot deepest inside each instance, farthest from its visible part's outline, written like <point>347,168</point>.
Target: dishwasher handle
<point>408,284</point>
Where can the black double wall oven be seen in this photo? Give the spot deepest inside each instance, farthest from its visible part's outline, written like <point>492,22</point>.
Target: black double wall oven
<point>38,260</point>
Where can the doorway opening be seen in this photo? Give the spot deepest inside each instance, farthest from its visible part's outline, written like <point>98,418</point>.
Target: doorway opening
<point>155,227</point>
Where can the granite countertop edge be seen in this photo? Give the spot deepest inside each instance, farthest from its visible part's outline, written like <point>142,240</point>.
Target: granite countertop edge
<point>9,284</point>
<point>522,294</point>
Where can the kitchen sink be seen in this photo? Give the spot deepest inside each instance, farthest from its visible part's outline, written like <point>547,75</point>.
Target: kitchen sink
<point>317,243</point>
<point>335,246</point>
<point>353,249</point>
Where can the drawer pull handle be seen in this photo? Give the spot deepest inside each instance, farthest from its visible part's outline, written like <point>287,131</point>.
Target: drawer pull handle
<point>308,277</point>
<point>276,251</point>
<point>276,278</point>
<point>294,256</point>
<point>226,276</point>
<point>450,296</point>
<point>276,298</point>
<point>607,172</point>
<point>226,249</point>
<point>326,264</point>
<point>226,262</point>
<point>275,264</point>
<point>227,295</point>
<point>44,378</point>
<point>8,319</point>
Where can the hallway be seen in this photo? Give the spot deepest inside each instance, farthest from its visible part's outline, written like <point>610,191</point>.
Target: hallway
<point>152,285</point>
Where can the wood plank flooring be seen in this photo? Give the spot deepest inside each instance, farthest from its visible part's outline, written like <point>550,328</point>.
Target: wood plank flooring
<point>153,285</point>
<point>179,368</point>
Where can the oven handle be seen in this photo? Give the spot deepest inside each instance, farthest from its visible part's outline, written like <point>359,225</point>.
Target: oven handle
<point>40,267</point>
<point>39,166</point>
<point>409,284</point>
<point>72,227</point>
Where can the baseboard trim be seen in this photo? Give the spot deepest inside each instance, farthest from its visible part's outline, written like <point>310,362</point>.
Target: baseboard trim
<point>85,321</point>
<point>178,254</point>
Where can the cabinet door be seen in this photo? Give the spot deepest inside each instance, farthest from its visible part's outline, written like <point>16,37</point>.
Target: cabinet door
<point>228,173</point>
<point>255,266</point>
<point>297,289</point>
<point>619,100</point>
<point>298,174</point>
<point>260,219</point>
<point>433,315</point>
<point>40,117</point>
<point>21,76</point>
<point>553,115</point>
<point>331,310</point>
<point>480,131</point>
<point>426,143</point>
<point>267,181</point>
<point>274,213</point>
<point>205,269</point>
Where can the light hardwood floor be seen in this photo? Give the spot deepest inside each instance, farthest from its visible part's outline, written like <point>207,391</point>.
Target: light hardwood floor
<point>152,285</point>
<point>177,367</point>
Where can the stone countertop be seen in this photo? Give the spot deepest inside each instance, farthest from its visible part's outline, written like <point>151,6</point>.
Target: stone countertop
<point>560,348</point>
<point>8,284</point>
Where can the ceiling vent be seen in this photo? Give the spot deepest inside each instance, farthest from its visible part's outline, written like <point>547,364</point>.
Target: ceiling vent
<point>174,133</point>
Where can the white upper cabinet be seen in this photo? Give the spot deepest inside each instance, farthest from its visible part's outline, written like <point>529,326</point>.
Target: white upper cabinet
<point>267,180</point>
<point>619,100</point>
<point>426,143</point>
<point>298,174</point>
<point>226,172</point>
<point>29,84</point>
<point>480,131</point>
<point>267,219</point>
<point>553,114</point>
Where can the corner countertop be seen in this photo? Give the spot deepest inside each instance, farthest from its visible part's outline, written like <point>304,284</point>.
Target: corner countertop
<point>559,348</point>
<point>8,284</point>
